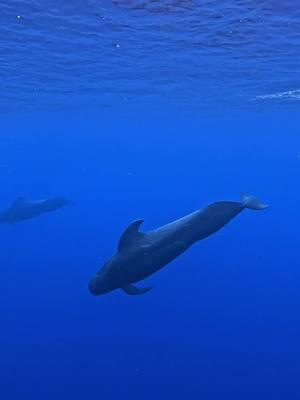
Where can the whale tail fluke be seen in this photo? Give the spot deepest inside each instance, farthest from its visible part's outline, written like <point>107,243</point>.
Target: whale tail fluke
<point>252,202</point>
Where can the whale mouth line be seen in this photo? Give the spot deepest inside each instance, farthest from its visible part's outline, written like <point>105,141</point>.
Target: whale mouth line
<point>91,287</point>
<point>98,288</point>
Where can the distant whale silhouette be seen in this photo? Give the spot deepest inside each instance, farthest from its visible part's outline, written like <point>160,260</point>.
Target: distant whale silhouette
<point>140,254</point>
<point>21,209</point>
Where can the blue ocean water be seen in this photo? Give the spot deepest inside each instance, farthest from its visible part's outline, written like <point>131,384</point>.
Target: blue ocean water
<point>150,109</point>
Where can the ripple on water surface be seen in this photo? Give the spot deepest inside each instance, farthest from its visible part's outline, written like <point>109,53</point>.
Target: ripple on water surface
<point>77,55</point>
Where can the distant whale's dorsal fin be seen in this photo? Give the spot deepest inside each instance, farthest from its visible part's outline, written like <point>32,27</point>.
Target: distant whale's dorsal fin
<point>19,202</point>
<point>133,290</point>
<point>130,234</point>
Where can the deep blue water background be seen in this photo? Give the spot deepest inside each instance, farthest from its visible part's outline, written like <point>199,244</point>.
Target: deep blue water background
<point>150,110</point>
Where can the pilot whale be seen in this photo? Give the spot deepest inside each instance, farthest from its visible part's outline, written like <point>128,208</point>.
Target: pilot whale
<point>141,254</point>
<point>21,209</point>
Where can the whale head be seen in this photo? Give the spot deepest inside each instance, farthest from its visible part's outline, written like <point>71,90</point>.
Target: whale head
<point>106,280</point>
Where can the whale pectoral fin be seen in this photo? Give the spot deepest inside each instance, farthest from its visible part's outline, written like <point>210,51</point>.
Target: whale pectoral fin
<point>130,234</point>
<point>133,290</point>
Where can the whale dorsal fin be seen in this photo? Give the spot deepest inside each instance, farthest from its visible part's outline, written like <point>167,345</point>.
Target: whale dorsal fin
<point>130,234</point>
<point>19,202</point>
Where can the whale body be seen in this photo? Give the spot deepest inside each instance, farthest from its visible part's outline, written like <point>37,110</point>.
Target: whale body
<point>21,209</point>
<point>141,254</point>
